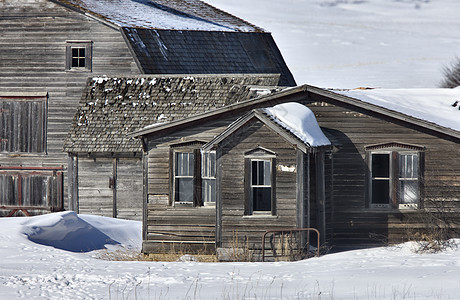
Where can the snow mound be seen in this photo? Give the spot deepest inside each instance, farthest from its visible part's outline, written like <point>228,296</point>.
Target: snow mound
<point>300,121</point>
<point>66,231</point>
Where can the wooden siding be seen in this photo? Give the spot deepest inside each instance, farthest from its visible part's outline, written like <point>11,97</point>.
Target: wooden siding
<point>32,59</point>
<point>354,224</point>
<point>182,229</point>
<point>96,195</point>
<point>236,227</point>
<point>190,228</point>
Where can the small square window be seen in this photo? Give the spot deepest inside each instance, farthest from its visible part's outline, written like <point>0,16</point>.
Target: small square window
<point>79,56</point>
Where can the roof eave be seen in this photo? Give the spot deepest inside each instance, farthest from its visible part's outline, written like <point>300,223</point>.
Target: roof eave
<point>384,111</point>
<point>241,106</point>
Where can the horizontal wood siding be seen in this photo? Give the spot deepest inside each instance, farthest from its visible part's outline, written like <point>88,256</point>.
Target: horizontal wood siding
<point>32,59</point>
<point>354,224</point>
<point>189,228</point>
<point>180,229</point>
<point>236,227</point>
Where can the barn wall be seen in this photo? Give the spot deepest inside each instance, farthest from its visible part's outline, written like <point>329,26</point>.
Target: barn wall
<point>32,59</point>
<point>96,195</point>
<point>351,222</point>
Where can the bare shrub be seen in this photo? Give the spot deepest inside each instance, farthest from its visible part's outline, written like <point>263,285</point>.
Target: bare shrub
<point>451,74</point>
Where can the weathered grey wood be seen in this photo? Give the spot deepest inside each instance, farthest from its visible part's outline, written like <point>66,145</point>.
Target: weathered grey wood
<point>32,59</point>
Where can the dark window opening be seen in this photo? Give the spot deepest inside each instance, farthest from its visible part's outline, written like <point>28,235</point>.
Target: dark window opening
<point>78,57</point>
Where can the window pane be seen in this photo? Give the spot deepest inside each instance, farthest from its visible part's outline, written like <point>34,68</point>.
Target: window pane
<point>81,52</point>
<point>81,62</point>
<point>380,191</point>
<point>74,52</point>
<point>184,164</point>
<point>267,171</point>
<point>212,164</point>
<point>254,172</point>
<point>381,165</point>
<point>408,192</point>
<point>209,190</point>
<point>408,166</point>
<point>191,162</point>
<point>184,189</point>
<point>262,199</point>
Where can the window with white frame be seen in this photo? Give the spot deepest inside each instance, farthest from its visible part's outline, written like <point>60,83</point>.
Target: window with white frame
<point>208,175</point>
<point>79,55</point>
<point>395,178</point>
<point>261,186</point>
<point>184,165</point>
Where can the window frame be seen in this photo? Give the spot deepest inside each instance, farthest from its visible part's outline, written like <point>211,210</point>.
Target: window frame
<point>190,170</point>
<point>208,175</point>
<point>190,147</point>
<point>394,179</point>
<point>79,44</point>
<point>259,154</point>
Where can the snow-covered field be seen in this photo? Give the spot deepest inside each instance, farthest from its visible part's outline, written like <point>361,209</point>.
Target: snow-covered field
<point>36,271</point>
<point>359,43</point>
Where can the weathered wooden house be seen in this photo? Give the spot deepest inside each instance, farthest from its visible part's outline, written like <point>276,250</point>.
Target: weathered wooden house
<point>106,170</point>
<point>48,49</point>
<point>240,170</point>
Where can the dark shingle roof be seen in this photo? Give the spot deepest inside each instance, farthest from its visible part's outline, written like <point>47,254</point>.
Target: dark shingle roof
<point>207,52</point>
<point>111,108</point>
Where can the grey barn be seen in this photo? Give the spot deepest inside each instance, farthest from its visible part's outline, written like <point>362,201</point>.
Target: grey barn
<point>49,48</point>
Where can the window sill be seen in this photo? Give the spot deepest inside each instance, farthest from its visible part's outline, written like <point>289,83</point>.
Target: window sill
<point>260,216</point>
<point>393,210</point>
<point>82,70</point>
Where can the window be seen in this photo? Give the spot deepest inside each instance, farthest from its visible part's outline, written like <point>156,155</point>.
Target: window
<point>183,176</point>
<point>260,182</point>
<point>208,175</point>
<point>193,175</point>
<point>261,187</point>
<point>395,178</point>
<point>79,56</point>
<point>23,124</point>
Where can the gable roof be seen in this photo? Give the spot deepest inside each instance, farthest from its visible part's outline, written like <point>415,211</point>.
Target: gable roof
<point>290,131</point>
<point>161,14</point>
<point>188,37</point>
<point>312,93</point>
<point>111,108</point>
<point>207,52</point>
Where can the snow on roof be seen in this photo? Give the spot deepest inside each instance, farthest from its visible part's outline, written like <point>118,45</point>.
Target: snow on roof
<point>438,106</point>
<point>300,121</point>
<point>148,14</point>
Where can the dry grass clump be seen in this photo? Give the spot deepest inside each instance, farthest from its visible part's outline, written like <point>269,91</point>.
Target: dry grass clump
<point>179,257</point>
<point>128,254</point>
